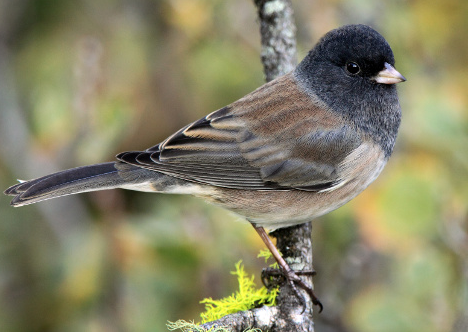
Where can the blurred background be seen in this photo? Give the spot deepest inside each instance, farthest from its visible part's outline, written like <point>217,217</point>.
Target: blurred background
<point>81,80</point>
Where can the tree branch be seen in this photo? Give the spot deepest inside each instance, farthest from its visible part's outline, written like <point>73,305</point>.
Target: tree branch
<point>278,37</point>
<point>278,31</point>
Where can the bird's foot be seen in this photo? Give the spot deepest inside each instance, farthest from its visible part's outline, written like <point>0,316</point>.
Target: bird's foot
<point>274,277</point>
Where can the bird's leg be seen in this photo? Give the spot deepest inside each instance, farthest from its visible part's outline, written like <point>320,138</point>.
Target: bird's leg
<point>289,274</point>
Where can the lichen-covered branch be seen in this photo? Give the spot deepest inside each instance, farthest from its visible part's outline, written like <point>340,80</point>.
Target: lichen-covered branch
<point>290,314</point>
<point>264,318</point>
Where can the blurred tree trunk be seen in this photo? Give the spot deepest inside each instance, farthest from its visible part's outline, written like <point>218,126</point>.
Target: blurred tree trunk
<point>278,56</point>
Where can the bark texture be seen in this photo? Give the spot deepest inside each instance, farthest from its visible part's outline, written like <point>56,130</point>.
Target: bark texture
<point>278,37</point>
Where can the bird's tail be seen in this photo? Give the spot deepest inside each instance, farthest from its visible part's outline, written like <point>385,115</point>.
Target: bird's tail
<point>76,180</point>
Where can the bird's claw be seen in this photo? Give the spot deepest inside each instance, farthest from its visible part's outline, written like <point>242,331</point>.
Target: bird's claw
<point>273,277</point>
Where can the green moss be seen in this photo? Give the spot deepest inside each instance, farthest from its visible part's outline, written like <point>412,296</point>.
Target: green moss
<point>247,297</point>
<point>265,253</point>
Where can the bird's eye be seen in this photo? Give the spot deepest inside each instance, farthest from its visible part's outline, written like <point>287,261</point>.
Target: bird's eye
<point>353,68</point>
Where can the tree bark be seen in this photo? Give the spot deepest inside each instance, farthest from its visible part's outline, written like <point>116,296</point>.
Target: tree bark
<point>278,32</point>
<point>278,37</point>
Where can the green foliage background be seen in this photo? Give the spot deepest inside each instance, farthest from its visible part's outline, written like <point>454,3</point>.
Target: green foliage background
<point>82,80</point>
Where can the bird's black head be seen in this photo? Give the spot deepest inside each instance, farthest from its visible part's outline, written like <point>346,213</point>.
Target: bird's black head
<point>349,56</point>
<point>351,71</point>
<point>358,50</point>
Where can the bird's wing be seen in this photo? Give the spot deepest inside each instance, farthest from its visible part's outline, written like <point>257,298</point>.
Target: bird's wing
<point>277,137</point>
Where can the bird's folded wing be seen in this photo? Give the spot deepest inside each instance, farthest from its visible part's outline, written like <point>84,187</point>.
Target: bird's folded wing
<point>275,138</point>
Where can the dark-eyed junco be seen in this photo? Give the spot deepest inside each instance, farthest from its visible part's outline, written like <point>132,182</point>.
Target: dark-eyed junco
<point>296,148</point>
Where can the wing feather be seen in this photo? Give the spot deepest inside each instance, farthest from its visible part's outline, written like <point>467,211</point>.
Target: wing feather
<point>294,143</point>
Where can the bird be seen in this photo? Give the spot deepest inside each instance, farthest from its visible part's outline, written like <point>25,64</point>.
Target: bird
<point>294,149</point>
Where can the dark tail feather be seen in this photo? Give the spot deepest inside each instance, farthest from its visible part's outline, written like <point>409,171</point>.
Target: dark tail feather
<point>71,181</point>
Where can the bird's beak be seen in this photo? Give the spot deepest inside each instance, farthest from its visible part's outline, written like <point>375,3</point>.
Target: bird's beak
<point>389,75</point>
